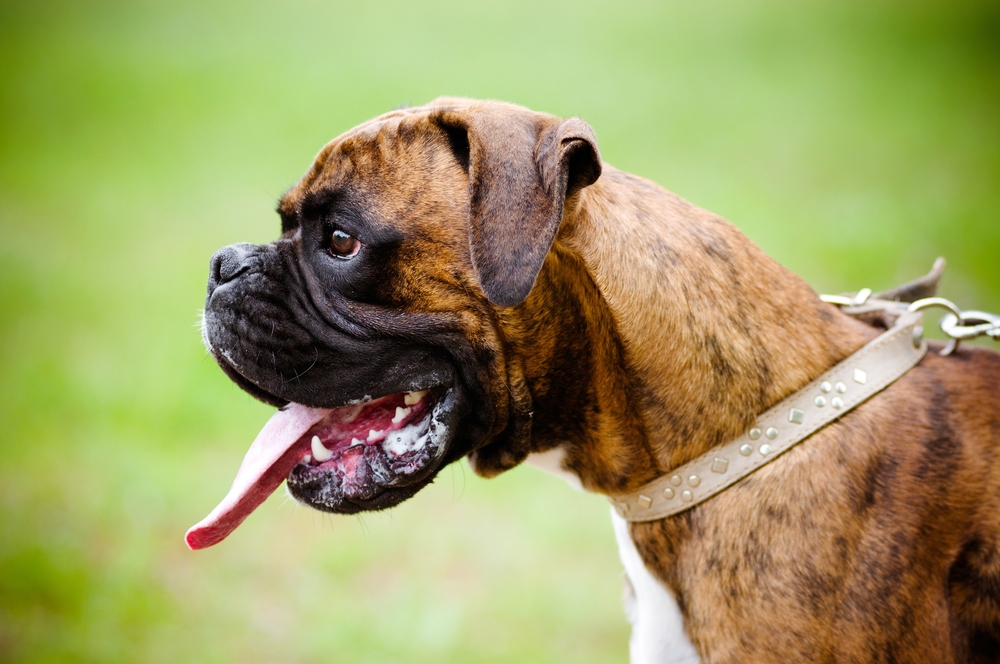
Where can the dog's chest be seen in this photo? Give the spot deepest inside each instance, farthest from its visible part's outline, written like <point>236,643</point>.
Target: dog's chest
<point>657,624</point>
<point>658,635</point>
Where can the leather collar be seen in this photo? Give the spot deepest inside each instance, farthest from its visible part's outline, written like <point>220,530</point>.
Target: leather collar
<point>847,385</point>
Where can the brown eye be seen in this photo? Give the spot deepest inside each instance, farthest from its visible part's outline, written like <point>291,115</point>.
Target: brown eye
<point>343,245</point>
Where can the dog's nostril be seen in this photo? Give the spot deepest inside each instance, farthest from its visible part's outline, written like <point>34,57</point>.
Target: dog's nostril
<point>227,264</point>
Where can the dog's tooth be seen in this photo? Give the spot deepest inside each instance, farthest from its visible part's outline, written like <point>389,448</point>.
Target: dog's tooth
<point>308,459</point>
<point>400,414</point>
<point>414,397</point>
<point>373,435</point>
<point>320,453</point>
<point>357,441</point>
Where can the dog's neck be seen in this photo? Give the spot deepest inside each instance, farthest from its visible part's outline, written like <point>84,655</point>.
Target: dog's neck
<point>692,366</point>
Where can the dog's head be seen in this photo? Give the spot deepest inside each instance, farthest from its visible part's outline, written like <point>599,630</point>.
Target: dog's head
<point>376,322</point>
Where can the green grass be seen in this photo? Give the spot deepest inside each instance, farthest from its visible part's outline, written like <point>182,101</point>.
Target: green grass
<point>855,141</point>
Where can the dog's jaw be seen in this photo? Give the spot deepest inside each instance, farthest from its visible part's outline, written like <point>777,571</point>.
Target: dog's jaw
<point>380,469</point>
<point>365,456</point>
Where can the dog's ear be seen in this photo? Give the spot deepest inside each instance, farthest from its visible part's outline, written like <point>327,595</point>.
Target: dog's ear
<point>522,168</point>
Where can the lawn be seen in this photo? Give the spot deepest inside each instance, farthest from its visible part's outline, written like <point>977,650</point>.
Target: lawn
<point>853,140</point>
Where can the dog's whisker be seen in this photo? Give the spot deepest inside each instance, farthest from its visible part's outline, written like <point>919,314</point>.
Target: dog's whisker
<point>364,526</point>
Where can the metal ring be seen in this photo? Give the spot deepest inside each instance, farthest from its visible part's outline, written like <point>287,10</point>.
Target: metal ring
<point>855,300</point>
<point>948,305</point>
<point>986,320</point>
<point>940,302</point>
<point>950,325</point>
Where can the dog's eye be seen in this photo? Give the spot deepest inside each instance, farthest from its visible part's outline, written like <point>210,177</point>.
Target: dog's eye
<point>343,245</point>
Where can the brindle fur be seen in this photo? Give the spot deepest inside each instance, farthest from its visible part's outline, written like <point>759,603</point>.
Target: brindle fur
<point>654,331</point>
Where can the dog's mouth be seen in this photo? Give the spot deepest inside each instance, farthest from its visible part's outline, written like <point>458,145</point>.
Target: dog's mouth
<point>363,456</point>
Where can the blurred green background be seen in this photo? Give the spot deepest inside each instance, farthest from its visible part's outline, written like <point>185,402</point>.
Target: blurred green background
<point>854,140</point>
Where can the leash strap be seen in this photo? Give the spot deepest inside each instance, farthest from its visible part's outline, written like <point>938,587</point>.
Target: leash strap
<point>848,384</point>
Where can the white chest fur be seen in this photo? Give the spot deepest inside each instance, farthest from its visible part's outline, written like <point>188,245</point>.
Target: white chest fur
<point>551,461</point>
<point>657,625</point>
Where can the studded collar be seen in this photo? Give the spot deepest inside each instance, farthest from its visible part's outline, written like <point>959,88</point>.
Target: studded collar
<point>848,384</point>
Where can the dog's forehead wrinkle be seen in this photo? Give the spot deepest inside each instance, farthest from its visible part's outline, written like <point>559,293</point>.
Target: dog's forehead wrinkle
<point>318,200</point>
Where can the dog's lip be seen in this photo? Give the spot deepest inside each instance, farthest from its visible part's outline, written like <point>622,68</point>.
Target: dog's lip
<point>429,381</point>
<point>283,443</point>
<point>229,368</point>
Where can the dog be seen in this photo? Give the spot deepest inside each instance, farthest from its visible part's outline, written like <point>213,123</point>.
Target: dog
<point>468,279</point>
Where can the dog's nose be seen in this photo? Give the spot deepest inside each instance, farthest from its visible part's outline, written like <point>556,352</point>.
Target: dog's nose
<point>227,264</point>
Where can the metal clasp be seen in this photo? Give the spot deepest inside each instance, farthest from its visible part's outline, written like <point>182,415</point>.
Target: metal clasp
<point>855,300</point>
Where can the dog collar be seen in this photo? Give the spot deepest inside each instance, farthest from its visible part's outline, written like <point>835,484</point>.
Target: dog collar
<point>848,384</point>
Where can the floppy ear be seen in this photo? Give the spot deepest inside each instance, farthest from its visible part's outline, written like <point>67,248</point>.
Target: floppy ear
<point>522,167</point>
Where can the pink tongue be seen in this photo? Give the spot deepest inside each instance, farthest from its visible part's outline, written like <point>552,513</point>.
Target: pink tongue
<point>268,461</point>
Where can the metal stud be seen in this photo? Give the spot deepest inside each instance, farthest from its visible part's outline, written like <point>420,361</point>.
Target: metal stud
<point>860,376</point>
<point>825,386</point>
<point>676,480</point>
<point>796,416</point>
<point>841,388</point>
<point>765,449</point>
<point>771,433</point>
<point>720,465</point>
<point>687,496</point>
<point>754,433</point>
<point>694,480</point>
<point>668,493</point>
<point>820,402</point>
<point>837,402</point>
<point>645,501</point>
<point>746,449</point>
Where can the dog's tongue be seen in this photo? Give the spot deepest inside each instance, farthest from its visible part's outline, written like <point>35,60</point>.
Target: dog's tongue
<point>269,460</point>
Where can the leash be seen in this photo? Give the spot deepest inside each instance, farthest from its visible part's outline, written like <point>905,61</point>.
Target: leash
<point>838,391</point>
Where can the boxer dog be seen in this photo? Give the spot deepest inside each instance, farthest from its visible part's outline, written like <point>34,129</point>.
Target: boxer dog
<point>468,279</point>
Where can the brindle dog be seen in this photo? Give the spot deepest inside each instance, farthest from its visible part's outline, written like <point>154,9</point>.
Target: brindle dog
<point>547,301</point>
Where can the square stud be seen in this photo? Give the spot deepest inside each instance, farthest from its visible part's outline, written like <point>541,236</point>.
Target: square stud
<point>860,376</point>
<point>720,465</point>
<point>796,416</point>
<point>645,501</point>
